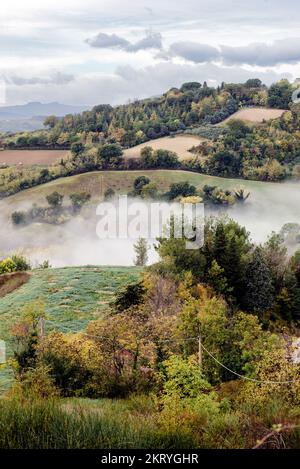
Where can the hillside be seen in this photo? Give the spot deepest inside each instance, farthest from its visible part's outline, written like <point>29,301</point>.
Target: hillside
<point>193,104</point>
<point>72,296</point>
<point>108,138</point>
<point>22,125</point>
<point>121,182</point>
<point>12,281</point>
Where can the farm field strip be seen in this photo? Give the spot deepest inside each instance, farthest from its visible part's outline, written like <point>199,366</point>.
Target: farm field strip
<point>255,114</point>
<point>31,157</point>
<point>180,144</point>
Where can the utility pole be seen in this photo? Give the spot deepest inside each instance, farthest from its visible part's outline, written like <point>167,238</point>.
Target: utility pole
<point>200,352</point>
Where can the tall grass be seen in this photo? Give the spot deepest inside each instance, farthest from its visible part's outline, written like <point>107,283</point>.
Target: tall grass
<point>133,423</point>
<point>49,425</point>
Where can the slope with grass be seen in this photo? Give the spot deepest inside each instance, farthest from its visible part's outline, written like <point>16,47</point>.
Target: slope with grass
<point>121,182</point>
<point>72,297</point>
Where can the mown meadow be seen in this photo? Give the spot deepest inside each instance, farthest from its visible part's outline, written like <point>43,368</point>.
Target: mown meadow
<point>71,297</point>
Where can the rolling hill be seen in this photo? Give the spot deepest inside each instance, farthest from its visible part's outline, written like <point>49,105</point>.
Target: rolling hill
<point>121,182</point>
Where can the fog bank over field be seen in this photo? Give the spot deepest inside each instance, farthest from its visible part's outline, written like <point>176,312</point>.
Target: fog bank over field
<point>268,208</point>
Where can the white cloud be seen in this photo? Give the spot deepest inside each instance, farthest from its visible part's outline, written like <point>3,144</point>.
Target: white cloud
<point>194,51</point>
<point>112,41</point>
<point>282,51</point>
<point>57,78</point>
<point>150,41</point>
<point>107,41</point>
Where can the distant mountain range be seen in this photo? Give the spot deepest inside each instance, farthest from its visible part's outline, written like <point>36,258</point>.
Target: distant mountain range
<point>30,116</point>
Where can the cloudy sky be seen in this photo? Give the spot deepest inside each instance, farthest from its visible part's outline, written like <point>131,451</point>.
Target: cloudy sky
<point>110,51</point>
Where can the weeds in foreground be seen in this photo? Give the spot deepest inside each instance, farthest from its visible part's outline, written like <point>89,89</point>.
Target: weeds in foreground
<point>132,423</point>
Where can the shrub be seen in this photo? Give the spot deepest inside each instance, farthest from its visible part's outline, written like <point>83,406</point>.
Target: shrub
<point>149,191</point>
<point>188,417</point>
<point>68,368</point>
<point>45,264</point>
<point>55,199</point>
<point>183,377</point>
<point>21,263</point>
<point>131,295</point>
<point>181,189</point>
<point>139,183</point>
<point>78,200</point>
<point>109,193</point>
<point>7,266</point>
<point>77,148</point>
<point>35,384</point>
<point>18,218</point>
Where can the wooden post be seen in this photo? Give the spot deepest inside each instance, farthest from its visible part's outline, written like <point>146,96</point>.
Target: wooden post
<point>42,327</point>
<point>200,352</point>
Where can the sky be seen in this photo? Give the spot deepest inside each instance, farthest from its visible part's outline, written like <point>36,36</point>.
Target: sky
<point>111,51</point>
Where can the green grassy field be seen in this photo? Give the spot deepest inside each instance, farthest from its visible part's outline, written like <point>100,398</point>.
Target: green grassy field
<point>121,182</point>
<point>72,297</point>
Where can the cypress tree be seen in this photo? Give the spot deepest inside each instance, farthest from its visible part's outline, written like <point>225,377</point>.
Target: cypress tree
<point>259,290</point>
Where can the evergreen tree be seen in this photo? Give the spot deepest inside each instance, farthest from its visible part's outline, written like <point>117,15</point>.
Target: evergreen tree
<point>141,250</point>
<point>229,247</point>
<point>234,269</point>
<point>220,246</point>
<point>259,290</point>
<point>217,280</point>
